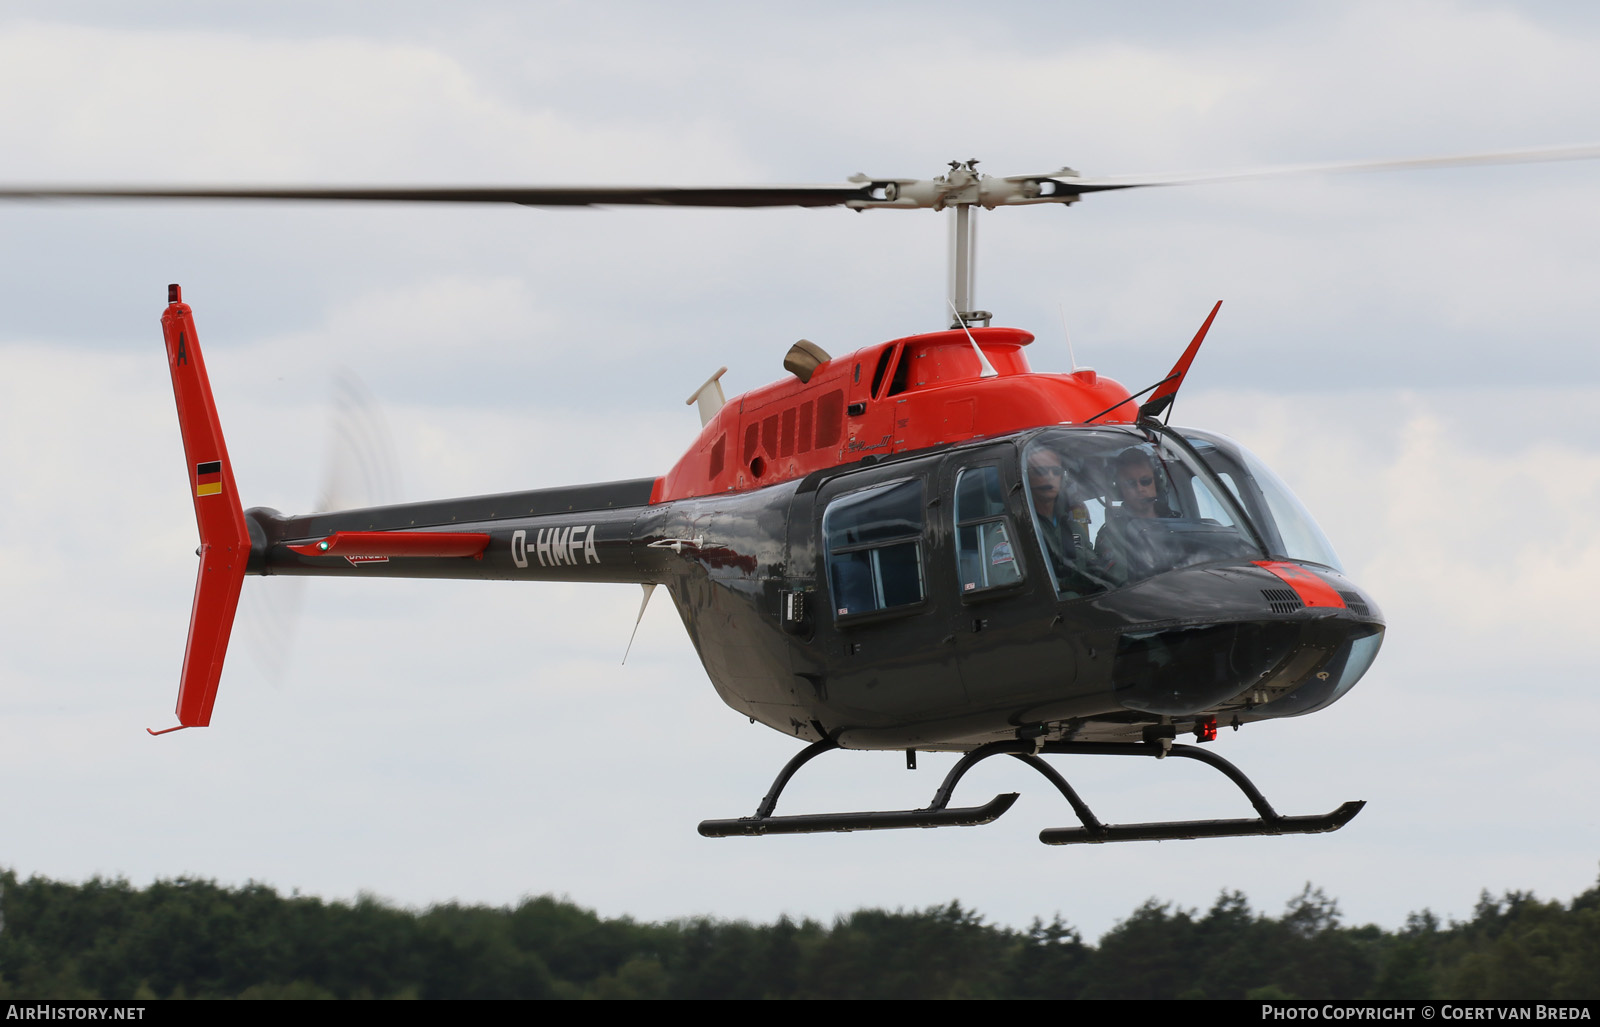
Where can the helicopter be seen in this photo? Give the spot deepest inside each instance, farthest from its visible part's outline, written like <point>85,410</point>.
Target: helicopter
<point>924,545</point>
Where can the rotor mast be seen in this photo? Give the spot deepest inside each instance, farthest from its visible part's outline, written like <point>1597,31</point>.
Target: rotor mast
<point>961,189</point>
<point>964,262</point>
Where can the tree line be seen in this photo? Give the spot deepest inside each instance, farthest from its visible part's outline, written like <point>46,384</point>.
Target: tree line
<point>193,938</point>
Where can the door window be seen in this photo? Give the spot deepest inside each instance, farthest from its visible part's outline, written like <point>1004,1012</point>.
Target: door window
<point>986,553</point>
<point>874,544</point>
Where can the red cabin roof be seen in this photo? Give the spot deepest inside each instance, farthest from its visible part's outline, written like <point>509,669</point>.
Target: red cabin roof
<point>906,394</point>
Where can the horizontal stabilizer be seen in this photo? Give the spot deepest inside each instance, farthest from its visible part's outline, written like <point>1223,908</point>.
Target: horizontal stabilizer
<point>384,544</point>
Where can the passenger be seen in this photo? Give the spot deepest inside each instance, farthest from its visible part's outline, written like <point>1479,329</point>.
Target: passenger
<point>1063,526</point>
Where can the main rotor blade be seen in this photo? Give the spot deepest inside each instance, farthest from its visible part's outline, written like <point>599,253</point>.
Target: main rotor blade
<point>1075,184</point>
<point>961,187</point>
<point>528,196</point>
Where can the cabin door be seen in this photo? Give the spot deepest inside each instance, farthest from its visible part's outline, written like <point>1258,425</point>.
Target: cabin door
<point>883,625</point>
<point>1011,648</point>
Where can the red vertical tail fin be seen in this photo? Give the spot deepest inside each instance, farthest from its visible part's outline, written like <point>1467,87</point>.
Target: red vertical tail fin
<point>224,537</point>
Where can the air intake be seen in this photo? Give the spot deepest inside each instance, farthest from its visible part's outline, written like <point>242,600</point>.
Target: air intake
<point>1353,600</point>
<point>1282,600</point>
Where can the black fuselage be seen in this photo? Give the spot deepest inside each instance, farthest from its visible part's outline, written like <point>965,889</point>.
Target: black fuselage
<point>912,602</point>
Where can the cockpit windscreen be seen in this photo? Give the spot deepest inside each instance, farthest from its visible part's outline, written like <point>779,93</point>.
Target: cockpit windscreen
<point>1112,507</point>
<point>1288,526</point>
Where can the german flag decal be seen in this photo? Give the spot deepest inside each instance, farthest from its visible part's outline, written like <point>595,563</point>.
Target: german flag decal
<point>208,478</point>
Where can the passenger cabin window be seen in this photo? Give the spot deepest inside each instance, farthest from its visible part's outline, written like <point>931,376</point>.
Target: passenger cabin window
<point>986,555</point>
<point>874,545</point>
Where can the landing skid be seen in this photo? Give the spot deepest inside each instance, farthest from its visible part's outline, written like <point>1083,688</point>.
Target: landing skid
<point>938,813</point>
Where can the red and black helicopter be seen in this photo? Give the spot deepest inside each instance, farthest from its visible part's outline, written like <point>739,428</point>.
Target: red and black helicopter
<point>921,545</point>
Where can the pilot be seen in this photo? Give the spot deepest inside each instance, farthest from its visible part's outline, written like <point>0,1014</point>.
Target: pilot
<point>1063,525</point>
<point>1138,484</point>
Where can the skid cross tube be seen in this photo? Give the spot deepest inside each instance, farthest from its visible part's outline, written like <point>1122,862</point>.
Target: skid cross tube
<point>1269,821</point>
<point>936,814</point>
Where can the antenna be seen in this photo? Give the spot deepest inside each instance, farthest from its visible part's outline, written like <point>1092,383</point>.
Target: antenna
<point>649,590</point>
<point>1067,335</point>
<point>983,361</point>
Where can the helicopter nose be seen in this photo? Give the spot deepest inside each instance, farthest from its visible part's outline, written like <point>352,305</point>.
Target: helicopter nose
<point>1240,639</point>
<point>1186,670</point>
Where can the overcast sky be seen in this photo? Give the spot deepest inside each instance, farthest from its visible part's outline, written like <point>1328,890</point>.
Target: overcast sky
<point>1414,352</point>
